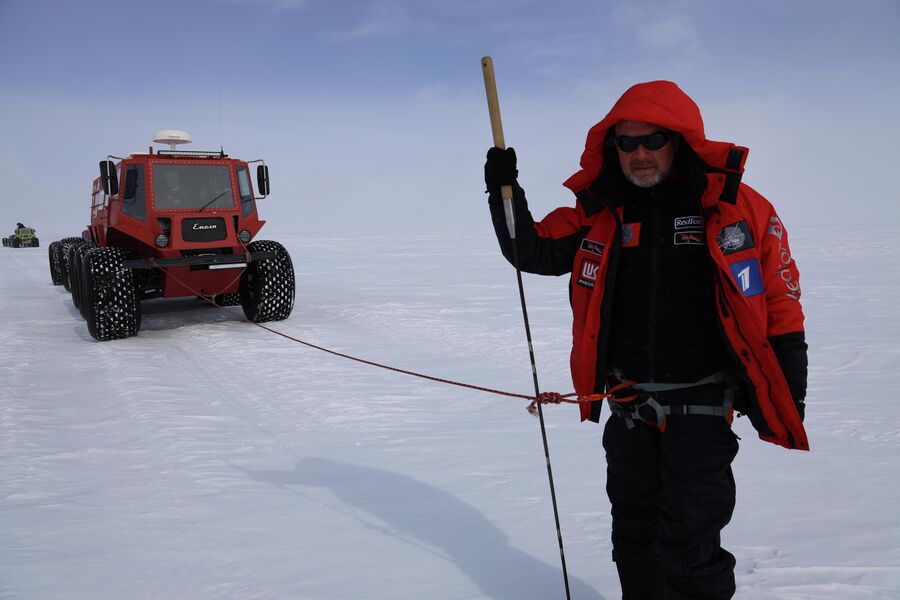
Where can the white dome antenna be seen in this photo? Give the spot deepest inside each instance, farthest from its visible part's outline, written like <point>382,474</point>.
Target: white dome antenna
<point>172,137</point>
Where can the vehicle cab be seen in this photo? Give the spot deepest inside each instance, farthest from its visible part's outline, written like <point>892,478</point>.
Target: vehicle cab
<point>176,200</point>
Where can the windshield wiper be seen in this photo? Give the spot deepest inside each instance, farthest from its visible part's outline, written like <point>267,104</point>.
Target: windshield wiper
<point>213,200</point>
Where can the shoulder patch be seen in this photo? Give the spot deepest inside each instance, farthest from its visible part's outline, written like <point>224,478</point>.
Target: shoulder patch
<point>631,235</point>
<point>734,238</point>
<point>748,277</point>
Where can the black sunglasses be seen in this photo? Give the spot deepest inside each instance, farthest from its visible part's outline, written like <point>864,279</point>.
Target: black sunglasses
<point>653,141</point>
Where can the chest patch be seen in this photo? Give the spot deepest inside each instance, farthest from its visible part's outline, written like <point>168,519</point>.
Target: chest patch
<point>631,235</point>
<point>592,247</point>
<point>692,222</point>
<point>587,274</point>
<point>689,231</point>
<point>690,238</point>
<point>734,238</point>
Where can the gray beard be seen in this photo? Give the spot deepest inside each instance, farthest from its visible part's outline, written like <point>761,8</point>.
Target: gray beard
<point>655,180</point>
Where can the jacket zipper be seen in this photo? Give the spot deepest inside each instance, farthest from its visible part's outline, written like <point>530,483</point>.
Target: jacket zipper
<point>654,295</point>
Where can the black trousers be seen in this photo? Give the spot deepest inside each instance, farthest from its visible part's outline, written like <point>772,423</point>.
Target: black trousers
<point>671,492</point>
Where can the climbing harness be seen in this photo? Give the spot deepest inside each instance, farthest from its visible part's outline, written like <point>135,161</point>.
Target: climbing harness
<point>649,405</point>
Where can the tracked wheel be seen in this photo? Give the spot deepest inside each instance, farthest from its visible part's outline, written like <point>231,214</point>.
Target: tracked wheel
<point>227,299</point>
<point>79,291</point>
<point>53,257</point>
<point>267,286</point>
<point>112,310</point>
<point>63,253</point>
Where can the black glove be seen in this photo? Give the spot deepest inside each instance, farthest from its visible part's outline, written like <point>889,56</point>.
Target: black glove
<point>790,349</point>
<point>500,169</point>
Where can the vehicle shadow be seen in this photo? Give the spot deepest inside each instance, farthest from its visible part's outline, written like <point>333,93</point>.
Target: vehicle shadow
<point>163,314</point>
<point>166,314</point>
<point>431,518</point>
<point>80,327</point>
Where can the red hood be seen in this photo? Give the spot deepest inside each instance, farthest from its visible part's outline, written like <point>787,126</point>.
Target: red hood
<point>661,103</point>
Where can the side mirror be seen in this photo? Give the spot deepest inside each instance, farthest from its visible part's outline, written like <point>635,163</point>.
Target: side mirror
<point>108,176</point>
<point>262,180</point>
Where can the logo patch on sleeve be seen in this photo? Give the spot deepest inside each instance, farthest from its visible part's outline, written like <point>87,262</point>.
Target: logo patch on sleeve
<point>631,235</point>
<point>734,238</point>
<point>587,275</point>
<point>748,277</point>
<point>592,247</point>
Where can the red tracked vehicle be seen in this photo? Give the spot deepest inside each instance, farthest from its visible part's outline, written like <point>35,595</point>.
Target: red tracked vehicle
<point>171,224</point>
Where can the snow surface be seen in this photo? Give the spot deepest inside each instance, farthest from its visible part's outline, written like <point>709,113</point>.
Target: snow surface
<point>207,458</point>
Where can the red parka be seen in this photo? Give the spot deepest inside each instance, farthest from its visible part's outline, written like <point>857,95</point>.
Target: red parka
<point>757,282</point>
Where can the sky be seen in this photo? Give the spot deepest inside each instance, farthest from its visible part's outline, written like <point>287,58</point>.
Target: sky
<point>371,114</point>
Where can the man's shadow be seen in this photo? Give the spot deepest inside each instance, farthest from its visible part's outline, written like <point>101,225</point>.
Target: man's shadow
<point>421,514</point>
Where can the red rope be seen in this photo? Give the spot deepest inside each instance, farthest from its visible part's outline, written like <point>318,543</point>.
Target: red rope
<point>543,398</point>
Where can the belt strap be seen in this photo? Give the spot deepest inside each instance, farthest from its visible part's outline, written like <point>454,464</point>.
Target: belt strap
<point>721,376</point>
<point>695,409</point>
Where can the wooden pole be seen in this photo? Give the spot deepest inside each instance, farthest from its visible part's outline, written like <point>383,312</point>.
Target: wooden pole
<point>490,88</point>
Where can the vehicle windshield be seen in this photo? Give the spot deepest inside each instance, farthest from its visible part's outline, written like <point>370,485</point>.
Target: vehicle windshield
<point>192,187</point>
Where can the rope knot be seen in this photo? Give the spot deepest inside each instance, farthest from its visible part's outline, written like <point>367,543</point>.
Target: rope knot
<point>544,398</point>
<point>549,398</point>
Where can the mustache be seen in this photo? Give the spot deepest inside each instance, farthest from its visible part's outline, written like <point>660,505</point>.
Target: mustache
<point>640,164</point>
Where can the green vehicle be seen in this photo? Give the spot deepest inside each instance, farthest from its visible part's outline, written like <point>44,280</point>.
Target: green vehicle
<point>22,237</point>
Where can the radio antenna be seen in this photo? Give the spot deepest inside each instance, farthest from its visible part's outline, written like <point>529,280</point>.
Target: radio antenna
<point>221,134</point>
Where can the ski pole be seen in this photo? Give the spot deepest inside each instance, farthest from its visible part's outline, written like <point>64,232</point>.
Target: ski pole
<point>490,88</point>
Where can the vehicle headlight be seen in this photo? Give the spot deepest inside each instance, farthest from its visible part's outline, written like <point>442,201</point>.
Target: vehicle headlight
<point>162,240</point>
<point>244,236</point>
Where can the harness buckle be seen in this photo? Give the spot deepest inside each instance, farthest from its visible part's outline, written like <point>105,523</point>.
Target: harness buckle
<point>643,408</point>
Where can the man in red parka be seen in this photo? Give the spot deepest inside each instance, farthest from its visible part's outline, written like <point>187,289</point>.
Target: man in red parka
<point>682,287</point>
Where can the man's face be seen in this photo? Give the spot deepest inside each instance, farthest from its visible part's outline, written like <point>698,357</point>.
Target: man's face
<point>642,167</point>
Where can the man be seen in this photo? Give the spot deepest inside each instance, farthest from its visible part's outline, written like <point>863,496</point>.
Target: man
<point>685,299</point>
